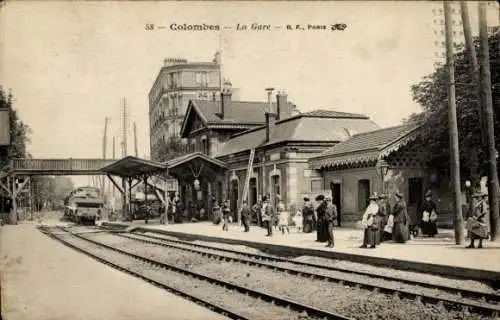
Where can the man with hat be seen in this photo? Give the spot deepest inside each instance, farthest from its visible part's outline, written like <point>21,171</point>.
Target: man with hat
<point>308,215</point>
<point>245,215</point>
<point>330,216</point>
<point>428,216</point>
<point>321,230</point>
<point>401,219</point>
<point>478,225</point>
<point>257,211</point>
<point>370,223</point>
<point>268,216</point>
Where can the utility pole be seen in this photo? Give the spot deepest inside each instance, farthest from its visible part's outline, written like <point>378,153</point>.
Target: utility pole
<point>124,128</point>
<point>452,119</point>
<point>114,148</point>
<point>104,144</point>
<point>493,185</point>
<point>135,141</point>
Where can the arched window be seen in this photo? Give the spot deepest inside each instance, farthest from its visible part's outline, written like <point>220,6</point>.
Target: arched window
<point>204,145</point>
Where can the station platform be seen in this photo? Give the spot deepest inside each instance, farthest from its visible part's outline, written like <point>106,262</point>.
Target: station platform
<point>438,255</point>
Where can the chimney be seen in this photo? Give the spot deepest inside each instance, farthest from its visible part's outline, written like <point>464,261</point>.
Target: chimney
<point>270,116</point>
<point>281,106</point>
<point>225,99</point>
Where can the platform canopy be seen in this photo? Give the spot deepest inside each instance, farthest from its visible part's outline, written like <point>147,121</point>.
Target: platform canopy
<point>195,164</point>
<point>133,167</point>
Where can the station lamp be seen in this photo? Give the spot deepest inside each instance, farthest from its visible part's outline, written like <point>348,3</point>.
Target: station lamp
<point>196,184</point>
<point>383,168</point>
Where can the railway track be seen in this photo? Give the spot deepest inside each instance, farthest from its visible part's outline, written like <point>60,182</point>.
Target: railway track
<point>475,301</point>
<point>192,285</point>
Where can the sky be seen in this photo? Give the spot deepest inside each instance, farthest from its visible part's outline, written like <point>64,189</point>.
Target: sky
<point>69,64</point>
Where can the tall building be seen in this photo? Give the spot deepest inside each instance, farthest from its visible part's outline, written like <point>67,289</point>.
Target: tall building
<point>178,82</point>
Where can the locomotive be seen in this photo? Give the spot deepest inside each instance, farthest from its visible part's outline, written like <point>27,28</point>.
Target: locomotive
<point>84,204</point>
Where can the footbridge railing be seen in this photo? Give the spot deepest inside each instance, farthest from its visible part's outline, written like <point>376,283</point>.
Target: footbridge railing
<point>59,166</point>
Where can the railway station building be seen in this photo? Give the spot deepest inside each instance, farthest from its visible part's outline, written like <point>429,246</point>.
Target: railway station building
<point>221,136</point>
<point>382,161</point>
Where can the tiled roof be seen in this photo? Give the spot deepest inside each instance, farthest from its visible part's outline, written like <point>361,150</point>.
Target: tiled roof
<point>236,112</point>
<point>364,146</point>
<point>305,127</point>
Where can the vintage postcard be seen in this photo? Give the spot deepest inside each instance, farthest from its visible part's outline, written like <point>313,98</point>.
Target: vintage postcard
<point>249,160</point>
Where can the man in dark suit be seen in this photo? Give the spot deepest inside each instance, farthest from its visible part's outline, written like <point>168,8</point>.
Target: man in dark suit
<point>245,216</point>
<point>268,216</point>
<point>330,216</point>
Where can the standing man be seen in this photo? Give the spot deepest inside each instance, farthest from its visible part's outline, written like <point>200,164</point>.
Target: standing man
<point>267,216</point>
<point>245,215</point>
<point>321,223</point>
<point>257,211</point>
<point>330,216</point>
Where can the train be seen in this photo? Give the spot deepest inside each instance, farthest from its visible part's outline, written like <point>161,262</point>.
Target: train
<point>84,204</point>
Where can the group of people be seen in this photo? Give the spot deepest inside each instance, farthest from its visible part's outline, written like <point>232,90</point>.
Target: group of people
<point>268,216</point>
<point>382,223</point>
<point>263,212</point>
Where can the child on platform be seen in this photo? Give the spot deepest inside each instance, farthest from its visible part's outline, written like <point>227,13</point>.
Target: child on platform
<point>298,220</point>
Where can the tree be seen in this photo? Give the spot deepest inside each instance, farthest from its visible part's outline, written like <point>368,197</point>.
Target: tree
<point>20,132</point>
<point>431,94</point>
<point>170,149</point>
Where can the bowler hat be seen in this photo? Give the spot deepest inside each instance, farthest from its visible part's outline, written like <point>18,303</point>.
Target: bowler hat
<point>398,194</point>
<point>428,193</point>
<point>306,199</point>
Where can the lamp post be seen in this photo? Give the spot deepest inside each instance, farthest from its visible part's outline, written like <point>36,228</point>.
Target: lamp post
<point>469,196</point>
<point>382,168</point>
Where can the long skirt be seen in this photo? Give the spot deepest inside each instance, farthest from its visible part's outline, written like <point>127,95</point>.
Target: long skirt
<point>308,226</point>
<point>380,232</point>
<point>477,230</point>
<point>322,231</point>
<point>429,228</point>
<point>369,237</point>
<point>400,232</point>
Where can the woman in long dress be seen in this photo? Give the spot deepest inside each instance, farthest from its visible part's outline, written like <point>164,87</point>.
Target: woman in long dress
<point>370,223</point>
<point>308,216</point>
<point>401,220</point>
<point>477,225</point>
<point>428,223</point>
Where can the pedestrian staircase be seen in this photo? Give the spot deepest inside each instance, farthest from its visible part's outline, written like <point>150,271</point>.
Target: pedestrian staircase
<point>247,182</point>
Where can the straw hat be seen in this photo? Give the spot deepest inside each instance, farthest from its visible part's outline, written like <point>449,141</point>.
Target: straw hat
<point>373,197</point>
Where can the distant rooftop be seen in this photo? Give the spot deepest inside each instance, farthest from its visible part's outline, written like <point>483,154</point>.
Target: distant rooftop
<point>313,126</point>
